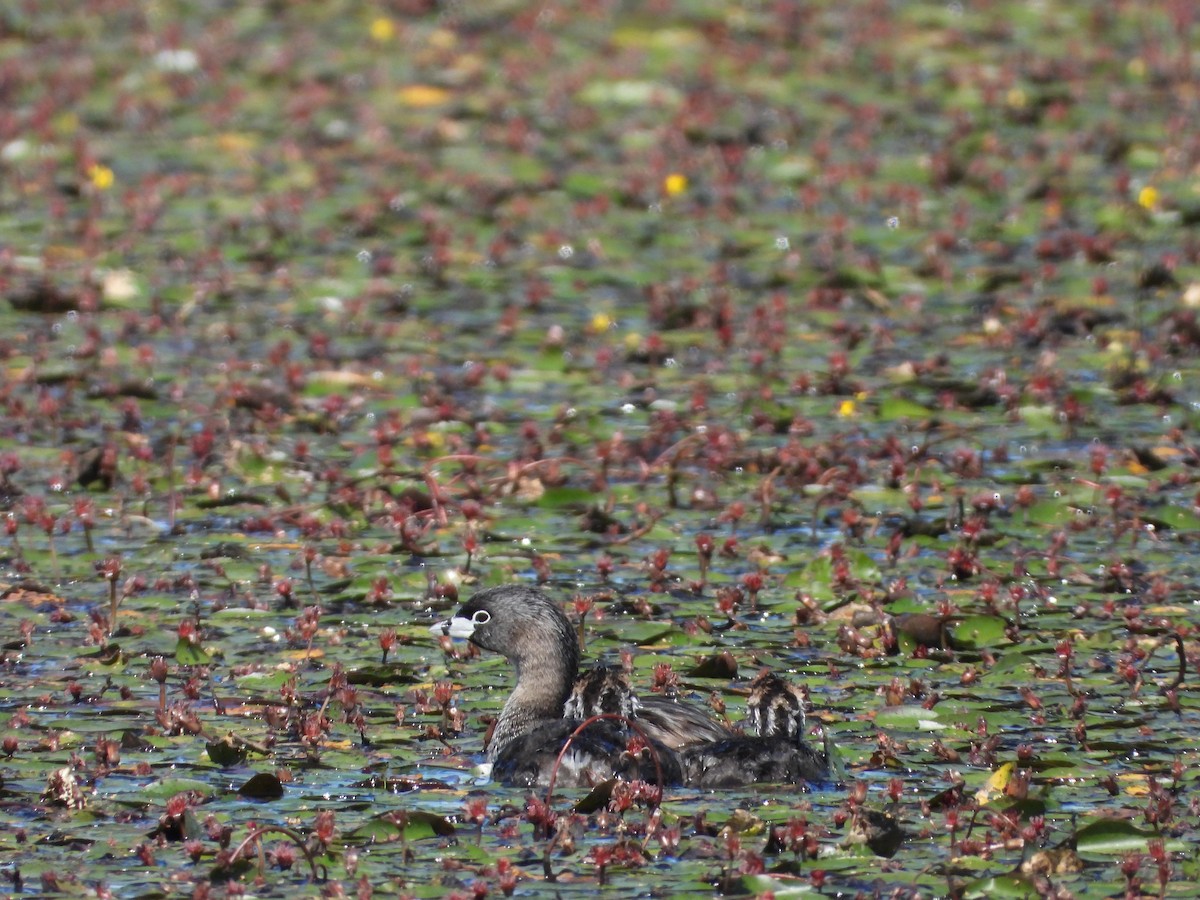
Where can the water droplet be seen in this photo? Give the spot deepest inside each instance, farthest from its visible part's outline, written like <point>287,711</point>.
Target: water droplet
<point>782,243</point>
<point>365,256</point>
<point>566,251</point>
<point>1057,495</point>
<point>1178,376</point>
<point>893,222</point>
<point>628,408</point>
<point>670,362</point>
<point>954,8</point>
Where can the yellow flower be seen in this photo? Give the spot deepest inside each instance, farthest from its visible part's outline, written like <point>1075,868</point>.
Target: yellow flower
<point>601,322</point>
<point>846,409</point>
<point>1148,197</point>
<point>100,176</point>
<point>675,183</point>
<point>383,29</point>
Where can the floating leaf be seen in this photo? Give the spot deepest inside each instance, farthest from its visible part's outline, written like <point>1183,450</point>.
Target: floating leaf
<point>262,786</point>
<point>188,653</point>
<point>978,632</point>
<point>1106,837</point>
<point>227,751</point>
<point>1015,887</point>
<point>894,407</point>
<point>412,824</point>
<point>566,498</point>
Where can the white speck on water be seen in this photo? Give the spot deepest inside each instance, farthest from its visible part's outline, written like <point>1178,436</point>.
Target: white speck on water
<point>893,222</point>
<point>566,251</point>
<point>364,256</point>
<point>782,243</point>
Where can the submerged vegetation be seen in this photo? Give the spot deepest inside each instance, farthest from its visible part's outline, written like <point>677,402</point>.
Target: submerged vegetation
<point>857,340</point>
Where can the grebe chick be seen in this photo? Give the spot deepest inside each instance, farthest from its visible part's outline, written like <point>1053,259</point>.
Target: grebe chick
<point>675,723</point>
<point>775,752</point>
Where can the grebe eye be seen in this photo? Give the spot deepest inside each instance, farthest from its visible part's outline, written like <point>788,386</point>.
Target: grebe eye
<point>481,617</point>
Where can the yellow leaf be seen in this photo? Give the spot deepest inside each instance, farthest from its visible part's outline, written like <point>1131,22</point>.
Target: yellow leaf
<point>423,95</point>
<point>1148,197</point>
<point>314,653</point>
<point>995,785</point>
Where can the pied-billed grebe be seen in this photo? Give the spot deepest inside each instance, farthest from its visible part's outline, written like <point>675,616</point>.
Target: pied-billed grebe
<point>534,635</point>
<point>775,752</point>
<point>550,701</point>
